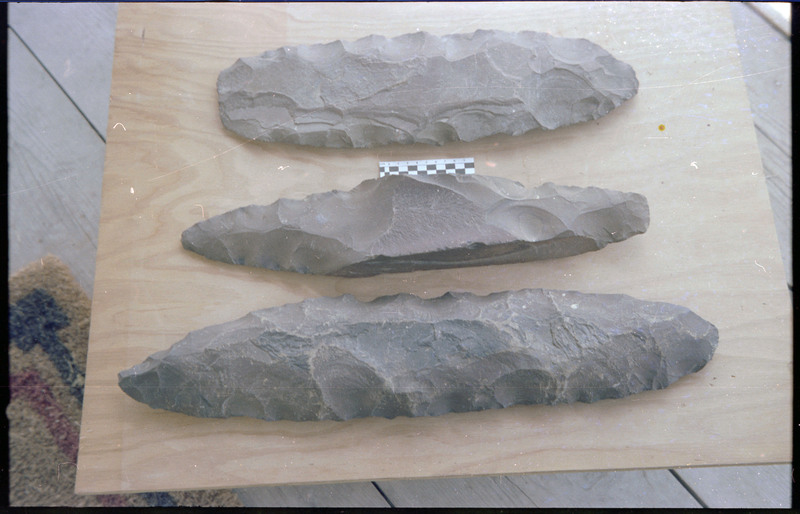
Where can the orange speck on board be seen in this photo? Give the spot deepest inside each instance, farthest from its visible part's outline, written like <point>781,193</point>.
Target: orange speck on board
<point>661,128</point>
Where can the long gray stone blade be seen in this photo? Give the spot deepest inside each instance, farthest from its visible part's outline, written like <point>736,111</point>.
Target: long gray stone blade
<point>401,223</point>
<point>339,358</point>
<point>421,88</point>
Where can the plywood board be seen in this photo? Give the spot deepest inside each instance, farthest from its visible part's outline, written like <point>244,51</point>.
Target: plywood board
<point>711,246</point>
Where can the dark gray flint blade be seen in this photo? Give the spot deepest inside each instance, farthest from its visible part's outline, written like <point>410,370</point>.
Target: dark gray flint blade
<point>421,88</point>
<point>339,358</point>
<point>402,223</point>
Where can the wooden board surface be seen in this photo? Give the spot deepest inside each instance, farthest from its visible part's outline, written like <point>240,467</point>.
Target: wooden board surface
<point>711,246</point>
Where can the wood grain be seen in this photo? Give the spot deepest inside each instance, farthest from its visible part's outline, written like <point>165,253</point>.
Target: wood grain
<point>169,163</point>
<point>55,168</point>
<point>70,50</point>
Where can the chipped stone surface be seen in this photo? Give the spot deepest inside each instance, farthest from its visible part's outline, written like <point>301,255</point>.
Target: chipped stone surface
<point>339,358</point>
<point>421,88</point>
<point>404,223</point>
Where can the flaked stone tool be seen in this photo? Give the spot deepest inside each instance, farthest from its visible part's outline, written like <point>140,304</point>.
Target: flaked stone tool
<point>340,358</point>
<point>421,88</point>
<point>406,223</point>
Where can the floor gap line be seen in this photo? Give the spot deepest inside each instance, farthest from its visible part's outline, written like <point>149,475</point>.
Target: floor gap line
<point>508,480</point>
<point>57,83</point>
<point>765,134</point>
<point>688,489</point>
<point>386,498</point>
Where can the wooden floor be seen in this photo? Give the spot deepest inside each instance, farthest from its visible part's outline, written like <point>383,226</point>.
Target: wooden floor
<point>59,60</point>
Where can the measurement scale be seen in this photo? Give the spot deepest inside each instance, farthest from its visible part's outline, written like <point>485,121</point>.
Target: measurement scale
<point>463,166</point>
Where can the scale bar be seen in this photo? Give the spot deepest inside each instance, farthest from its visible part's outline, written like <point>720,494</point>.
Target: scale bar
<point>462,166</point>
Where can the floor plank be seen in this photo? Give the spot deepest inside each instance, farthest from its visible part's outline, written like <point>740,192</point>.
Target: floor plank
<point>54,191</point>
<point>620,489</point>
<point>55,171</point>
<point>742,486</point>
<point>777,172</point>
<point>492,492</point>
<point>357,494</point>
<point>768,11</point>
<point>765,54</point>
<point>71,51</point>
<point>612,489</point>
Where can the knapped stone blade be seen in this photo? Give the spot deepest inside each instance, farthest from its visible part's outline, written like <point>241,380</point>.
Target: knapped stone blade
<point>403,223</point>
<point>421,88</point>
<point>339,358</point>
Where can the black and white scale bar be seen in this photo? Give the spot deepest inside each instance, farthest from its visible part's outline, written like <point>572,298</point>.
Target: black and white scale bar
<point>462,166</point>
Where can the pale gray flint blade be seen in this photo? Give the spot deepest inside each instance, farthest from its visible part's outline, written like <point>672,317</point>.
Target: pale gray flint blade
<point>403,223</point>
<point>421,88</point>
<point>339,358</point>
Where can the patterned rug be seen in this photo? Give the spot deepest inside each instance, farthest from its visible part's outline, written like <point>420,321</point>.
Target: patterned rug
<point>49,332</point>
